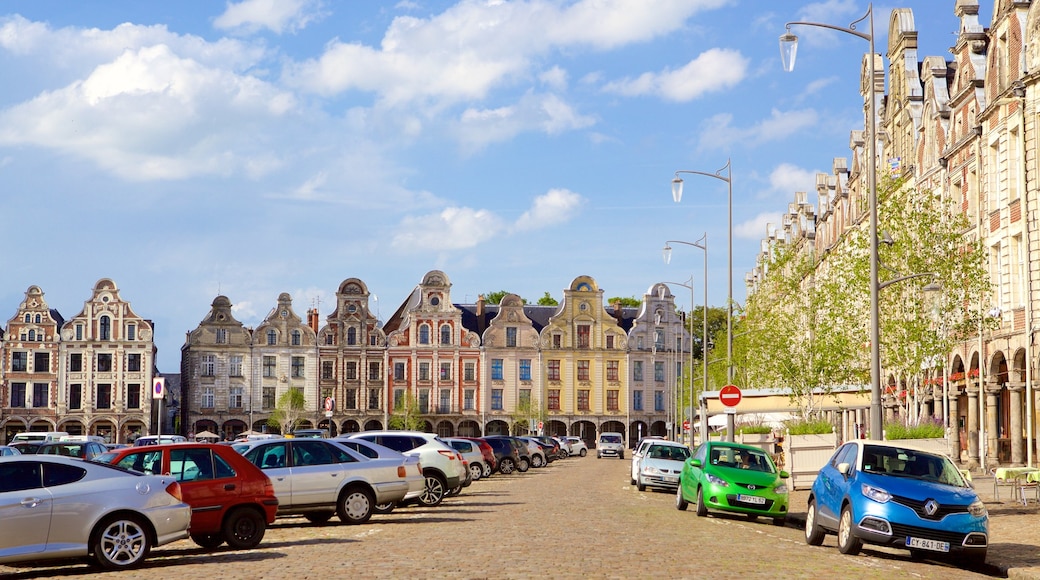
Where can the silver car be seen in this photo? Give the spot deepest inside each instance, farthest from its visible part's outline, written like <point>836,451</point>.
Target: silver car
<point>317,478</point>
<point>62,507</point>
<point>660,465</point>
<point>413,471</point>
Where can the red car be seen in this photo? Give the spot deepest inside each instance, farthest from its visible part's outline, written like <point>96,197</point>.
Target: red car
<point>490,463</point>
<point>231,499</point>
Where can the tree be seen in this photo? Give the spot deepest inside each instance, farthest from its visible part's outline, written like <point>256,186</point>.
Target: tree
<point>406,415</point>
<point>526,416</point>
<point>287,411</point>
<point>631,302</point>
<point>547,300</point>
<point>496,297</point>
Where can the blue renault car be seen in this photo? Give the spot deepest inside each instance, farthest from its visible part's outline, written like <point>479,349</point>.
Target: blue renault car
<point>883,492</point>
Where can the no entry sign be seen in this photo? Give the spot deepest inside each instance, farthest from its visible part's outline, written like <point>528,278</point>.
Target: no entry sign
<point>730,395</point>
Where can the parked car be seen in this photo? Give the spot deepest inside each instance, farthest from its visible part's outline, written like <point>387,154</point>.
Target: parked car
<point>231,499</point>
<point>523,463</point>
<point>735,478</point>
<point>565,447</point>
<point>157,440</point>
<point>576,446</point>
<point>88,450</point>
<point>507,457</point>
<point>441,466</point>
<point>26,447</point>
<point>312,433</point>
<point>114,446</point>
<point>550,446</point>
<point>413,470</point>
<point>660,464</point>
<point>61,507</point>
<point>887,493</point>
<point>317,478</point>
<point>610,444</point>
<point>490,463</point>
<point>638,452</point>
<point>537,451</point>
<point>471,452</point>
<point>8,450</point>
<point>38,436</point>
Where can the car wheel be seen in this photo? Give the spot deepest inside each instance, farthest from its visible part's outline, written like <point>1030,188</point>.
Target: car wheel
<point>640,486</point>
<point>702,508</point>
<point>847,542</point>
<point>680,502</point>
<point>537,461</point>
<point>384,508</point>
<point>433,494</point>
<point>525,464</point>
<point>476,471</point>
<point>506,466</point>
<point>487,470</point>
<point>973,558</point>
<point>120,542</point>
<point>244,529</point>
<point>620,455</point>
<point>814,534</point>
<point>208,541</point>
<point>598,456</point>
<point>453,491</point>
<point>781,522</point>
<point>583,453</point>
<point>355,505</point>
<point>318,517</point>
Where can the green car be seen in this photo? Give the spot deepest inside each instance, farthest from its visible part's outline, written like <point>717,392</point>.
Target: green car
<point>735,478</point>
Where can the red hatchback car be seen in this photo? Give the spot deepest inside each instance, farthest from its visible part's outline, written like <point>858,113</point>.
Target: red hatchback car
<point>231,499</point>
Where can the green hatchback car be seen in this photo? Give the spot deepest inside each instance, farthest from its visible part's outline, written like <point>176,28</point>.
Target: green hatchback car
<point>735,478</point>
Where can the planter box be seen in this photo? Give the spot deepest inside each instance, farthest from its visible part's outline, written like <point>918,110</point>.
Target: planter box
<point>763,441</point>
<point>806,454</point>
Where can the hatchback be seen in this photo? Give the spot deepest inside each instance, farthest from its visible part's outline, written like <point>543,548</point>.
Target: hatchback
<point>231,499</point>
<point>88,450</point>
<point>887,493</point>
<point>735,478</point>
<point>62,507</point>
<point>441,465</point>
<point>507,458</point>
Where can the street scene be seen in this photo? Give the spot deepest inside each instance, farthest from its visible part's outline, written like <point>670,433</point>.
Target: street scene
<point>576,518</point>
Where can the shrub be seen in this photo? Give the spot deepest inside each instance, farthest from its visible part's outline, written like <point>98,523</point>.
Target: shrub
<point>754,429</point>
<point>810,427</point>
<point>923,430</point>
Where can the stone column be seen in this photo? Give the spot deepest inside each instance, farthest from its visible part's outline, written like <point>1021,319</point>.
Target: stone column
<point>1017,413</point>
<point>973,426</point>
<point>992,446</point>
<point>955,432</point>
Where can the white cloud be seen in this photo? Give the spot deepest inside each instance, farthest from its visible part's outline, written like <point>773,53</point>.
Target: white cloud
<point>453,228</point>
<point>555,78</point>
<point>714,70</point>
<point>476,128</point>
<point>787,179</point>
<point>557,206</point>
<point>717,132</point>
<point>756,228</point>
<point>278,16</point>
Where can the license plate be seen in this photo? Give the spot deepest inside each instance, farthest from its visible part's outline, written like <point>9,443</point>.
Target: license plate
<point>925,544</point>
<point>751,499</point>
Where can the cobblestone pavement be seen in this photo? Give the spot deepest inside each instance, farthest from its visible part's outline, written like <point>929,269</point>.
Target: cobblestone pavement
<point>576,518</point>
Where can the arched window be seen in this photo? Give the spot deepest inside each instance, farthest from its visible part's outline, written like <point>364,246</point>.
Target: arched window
<point>446,334</point>
<point>105,328</point>
<point>32,335</point>
<point>424,334</point>
<point>351,336</point>
<point>28,318</point>
<point>296,338</point>
<point>272,337</point>
<point>39,319</point>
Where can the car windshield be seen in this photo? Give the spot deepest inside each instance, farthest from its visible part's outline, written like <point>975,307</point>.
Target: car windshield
<point>672,452</point>
<point>610,439</point>
<point>910,463</point>
<point>741,458</point>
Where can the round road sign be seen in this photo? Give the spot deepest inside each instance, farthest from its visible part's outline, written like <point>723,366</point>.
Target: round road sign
<point>730,395</point>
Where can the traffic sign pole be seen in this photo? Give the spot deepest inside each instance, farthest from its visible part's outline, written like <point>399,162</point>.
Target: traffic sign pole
<point>730,397</point>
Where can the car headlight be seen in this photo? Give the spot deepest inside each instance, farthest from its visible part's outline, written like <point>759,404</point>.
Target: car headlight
<point>650,470</point>
<point>780,489</point>
<point>875,493</point>
<point>716,480</point>
<point>977,508</point>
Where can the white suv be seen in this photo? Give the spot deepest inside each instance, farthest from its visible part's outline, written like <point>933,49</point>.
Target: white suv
<point>610,444</point>
<point>441,465</point>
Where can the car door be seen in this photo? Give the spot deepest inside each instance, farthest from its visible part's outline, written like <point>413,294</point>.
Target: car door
<point>149,461</point>
<point>207,484</point>
<point>273,460</point>
<point>833,485</point>
<point>637,455</point>
<point>316,476</point>
<point>25,508</point>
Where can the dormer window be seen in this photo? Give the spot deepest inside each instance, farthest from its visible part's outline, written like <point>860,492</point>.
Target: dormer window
<point>424,334</point>
<point>296,338</point>
<point>445,334</point>
<point>105,328</point>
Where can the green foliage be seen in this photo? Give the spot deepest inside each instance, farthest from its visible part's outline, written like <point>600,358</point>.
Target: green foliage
<point>406,415</point>
<point>754,429</point>
<point>287,411</point>
<point>547,300</point>
<point>495,297</point>
<point>809,427</point>
<point>923,430</point>
<point>631,302</point>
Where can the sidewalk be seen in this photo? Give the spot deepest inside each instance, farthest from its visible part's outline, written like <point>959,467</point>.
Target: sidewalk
<point>1014,529</point>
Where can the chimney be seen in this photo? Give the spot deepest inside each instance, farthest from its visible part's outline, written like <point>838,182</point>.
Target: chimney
<point>481,326</point>
<point>312,319</point>
<point>618,313</point>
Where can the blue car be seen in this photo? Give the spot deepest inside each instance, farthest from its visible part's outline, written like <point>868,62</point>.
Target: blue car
<point>882,492</point>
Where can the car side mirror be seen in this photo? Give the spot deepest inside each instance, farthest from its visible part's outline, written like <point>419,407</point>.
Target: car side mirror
<point>784,474</point>
<point>695,462</point>
<point>843,468</point>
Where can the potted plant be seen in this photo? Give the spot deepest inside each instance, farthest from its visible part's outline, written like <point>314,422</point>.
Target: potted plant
<point>809,444</point>
<point>929,434</point>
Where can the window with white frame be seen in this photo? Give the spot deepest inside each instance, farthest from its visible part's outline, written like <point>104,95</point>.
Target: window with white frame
<point>208,398</point>
<point>208,365</point>
<point>235,365</point>
<point>235,397</point>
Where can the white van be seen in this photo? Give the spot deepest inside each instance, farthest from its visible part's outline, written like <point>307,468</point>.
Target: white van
<point>39,436</point>
<point>82,439</point>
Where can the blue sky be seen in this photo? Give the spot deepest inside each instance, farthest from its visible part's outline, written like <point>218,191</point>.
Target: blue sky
<point>194,148</point>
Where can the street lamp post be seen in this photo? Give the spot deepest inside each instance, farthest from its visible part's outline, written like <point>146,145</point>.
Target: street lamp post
<point>788,51</point>
<point>677,191</point>
<point>703,245</point>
